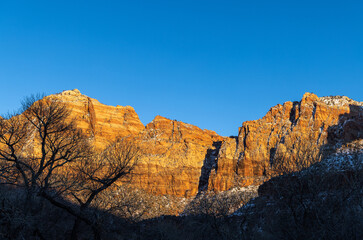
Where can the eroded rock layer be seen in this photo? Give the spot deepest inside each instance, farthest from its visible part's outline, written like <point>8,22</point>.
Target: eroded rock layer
<point>181,159</point>
<point>173,151</point>
<point>286,138</point>
<point>103,123</point>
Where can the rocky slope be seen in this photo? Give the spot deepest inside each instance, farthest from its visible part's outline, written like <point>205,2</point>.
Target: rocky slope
<point>181,159</point>
<point>173,151</point>
<point>101,122</point>
<point>285,135</point>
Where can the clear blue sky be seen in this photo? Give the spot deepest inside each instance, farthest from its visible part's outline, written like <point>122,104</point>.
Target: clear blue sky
<point>210,63</point>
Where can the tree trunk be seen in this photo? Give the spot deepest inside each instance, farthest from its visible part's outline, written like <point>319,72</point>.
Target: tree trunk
<point>76,224</point>
<point>96,233</point>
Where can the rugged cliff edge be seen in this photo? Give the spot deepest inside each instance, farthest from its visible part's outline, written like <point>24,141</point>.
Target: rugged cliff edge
<point>181,159</point>
<point>101,122</point>
<point>173,151</point>
<point>287,130</point>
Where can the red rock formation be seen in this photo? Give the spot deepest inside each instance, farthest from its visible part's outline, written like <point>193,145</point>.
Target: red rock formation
<point>102,122</point>
<point>174,151</point>
<point>286,130</point>
<point>180,159</point>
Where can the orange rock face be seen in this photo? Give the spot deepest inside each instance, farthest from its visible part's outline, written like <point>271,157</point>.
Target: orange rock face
<point>102,122</point>
<point>181,159</point>
<point>287,130</point>
<point>173,151</point>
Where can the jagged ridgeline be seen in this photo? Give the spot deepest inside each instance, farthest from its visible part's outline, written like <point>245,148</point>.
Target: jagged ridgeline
<point>180,159</point>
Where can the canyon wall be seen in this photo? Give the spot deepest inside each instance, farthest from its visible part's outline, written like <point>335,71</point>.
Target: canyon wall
<point>173,151</point>
<point>173,155</point>
<point>181,159</point>
<point>287,134</point>
<point>102,123</point>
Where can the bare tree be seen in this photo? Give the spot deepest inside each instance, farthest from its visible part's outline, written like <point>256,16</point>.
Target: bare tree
<point>98,173</point>
<point>37,144</point>
<point>44,152</point>
<point>13,136</point>
<point>320,201</point>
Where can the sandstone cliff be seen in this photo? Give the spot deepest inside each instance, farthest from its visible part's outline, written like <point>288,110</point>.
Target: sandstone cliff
<point>181,159</point>
<point>101,122</point>
<point>173,151</point>
<point>285,135</point>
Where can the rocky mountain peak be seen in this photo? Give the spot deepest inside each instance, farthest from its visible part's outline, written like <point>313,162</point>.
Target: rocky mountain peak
<point>275,143</point>
<point>74,92</point>
<point>339,101</point>
<point>309,97</point>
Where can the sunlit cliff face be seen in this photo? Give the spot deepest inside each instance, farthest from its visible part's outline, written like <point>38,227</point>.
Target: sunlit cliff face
<point>288,137</point>
<point>173,151</point>
<point>181,159</point>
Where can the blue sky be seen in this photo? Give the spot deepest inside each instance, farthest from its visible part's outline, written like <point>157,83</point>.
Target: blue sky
<point>211,63</point>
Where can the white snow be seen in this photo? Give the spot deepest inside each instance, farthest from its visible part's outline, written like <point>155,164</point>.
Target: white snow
<point>339,101</point>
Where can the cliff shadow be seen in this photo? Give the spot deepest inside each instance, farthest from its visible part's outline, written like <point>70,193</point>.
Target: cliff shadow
<point>348,129</point>
<point>210,162</point>
<point>339,163</point>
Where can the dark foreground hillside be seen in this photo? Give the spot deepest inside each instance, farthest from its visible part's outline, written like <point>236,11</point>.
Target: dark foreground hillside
<point>324,201</point>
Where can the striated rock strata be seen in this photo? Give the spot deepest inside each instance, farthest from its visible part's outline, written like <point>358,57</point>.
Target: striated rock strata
<point>101,122</point>
<point>181,159</point>
<point>173,151</point>
<point>287,133</point>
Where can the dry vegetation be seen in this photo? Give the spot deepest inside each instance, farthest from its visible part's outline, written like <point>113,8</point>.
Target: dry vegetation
<point>45,155</point>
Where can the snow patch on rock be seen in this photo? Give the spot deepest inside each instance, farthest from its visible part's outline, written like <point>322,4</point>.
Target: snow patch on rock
<point>339,101</point>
